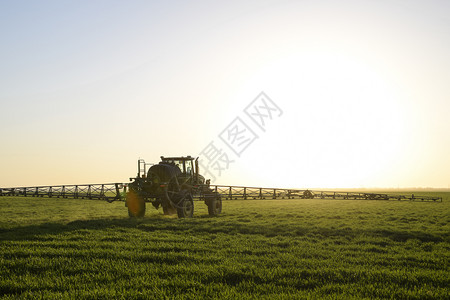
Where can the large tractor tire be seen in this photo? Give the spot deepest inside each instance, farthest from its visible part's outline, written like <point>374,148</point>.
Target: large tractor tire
<point>214,205</point>
<point>169,210</point>
<point>135,204</point>
<point>185,207</point>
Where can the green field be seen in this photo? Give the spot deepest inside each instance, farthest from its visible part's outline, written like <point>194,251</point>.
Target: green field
<point>260,249</point>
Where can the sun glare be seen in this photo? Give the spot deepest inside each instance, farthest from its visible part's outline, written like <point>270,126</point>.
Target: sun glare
<point>348,120</point>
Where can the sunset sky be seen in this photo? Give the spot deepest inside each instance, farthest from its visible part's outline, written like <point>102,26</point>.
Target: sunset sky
<point>359,91</point>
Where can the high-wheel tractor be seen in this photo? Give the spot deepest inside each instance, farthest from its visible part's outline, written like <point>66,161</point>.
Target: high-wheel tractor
<point>171,184</point>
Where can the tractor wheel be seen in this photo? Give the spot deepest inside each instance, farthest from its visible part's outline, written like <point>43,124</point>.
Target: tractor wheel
<point>169,210</point>
<point>135,204</point>
<point>185,208</point>
<point>215,206</point>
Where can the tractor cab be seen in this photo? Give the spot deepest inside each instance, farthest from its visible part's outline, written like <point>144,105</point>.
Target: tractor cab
<point>188,167</point>
<point>185,164</point>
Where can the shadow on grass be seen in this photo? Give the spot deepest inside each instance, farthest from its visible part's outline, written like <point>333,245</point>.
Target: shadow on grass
<point>31,232</point>
<point>211,226</point>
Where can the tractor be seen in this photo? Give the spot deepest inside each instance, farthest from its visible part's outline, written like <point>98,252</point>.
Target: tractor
<point>171,184</point>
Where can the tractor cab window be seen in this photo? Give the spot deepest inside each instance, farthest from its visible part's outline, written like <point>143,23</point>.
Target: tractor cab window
<point>185,166</point>
<point>189,167</point>
<point>176,163</point>
<point>179,164</point>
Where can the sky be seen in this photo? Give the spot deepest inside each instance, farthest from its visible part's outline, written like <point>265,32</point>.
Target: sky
<point>295,94</point>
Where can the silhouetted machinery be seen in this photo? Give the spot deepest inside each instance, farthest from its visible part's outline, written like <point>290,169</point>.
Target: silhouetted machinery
<point>175,182</point>
<point>172,184</point>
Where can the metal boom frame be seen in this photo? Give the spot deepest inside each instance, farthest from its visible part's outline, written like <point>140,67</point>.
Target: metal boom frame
<point>107,191</point>
<point>116,191</point>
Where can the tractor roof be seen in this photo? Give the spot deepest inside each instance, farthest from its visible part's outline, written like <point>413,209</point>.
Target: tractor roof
<point>177,158</point>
